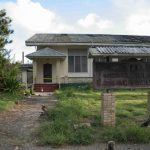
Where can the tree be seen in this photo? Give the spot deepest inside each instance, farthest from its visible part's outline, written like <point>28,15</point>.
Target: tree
<point>8,70</point>
<point>5,31</point>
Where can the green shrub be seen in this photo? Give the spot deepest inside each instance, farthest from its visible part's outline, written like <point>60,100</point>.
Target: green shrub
<point>49,134</point>
<point>10,79</point>
<point>7,100</point>
<point>82,135</point>
<point>12,85</point>
<point>28,91</point>
<point>127,133</point>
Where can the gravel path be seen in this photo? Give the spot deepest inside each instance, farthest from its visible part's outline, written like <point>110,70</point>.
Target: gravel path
<point>17,127</point>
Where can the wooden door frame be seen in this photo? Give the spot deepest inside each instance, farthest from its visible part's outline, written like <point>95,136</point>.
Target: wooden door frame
<point>48,76</point>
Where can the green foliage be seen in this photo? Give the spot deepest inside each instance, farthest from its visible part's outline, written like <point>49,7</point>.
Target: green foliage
<point>4,30</point>
<point>11,82</point>
<point>126,132</point>
<point>8,71</point>
<point>7,100</point>
<point>12,85</point>
<point>82,135</point>
<point>76,106</point>
<point>51,134</point>
<point>61,120</point>
<point>81,86</point>
<point>28,91</point>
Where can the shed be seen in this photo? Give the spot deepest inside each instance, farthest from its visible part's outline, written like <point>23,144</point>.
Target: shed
<point>120,66</point>
<point>26,74</point>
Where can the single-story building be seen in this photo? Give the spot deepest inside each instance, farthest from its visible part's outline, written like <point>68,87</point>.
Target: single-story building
<point>68,58</point>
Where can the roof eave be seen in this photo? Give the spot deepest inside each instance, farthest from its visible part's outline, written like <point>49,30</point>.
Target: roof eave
<point>88,44</point>
<point>49,57</point>
<point>118,55</point>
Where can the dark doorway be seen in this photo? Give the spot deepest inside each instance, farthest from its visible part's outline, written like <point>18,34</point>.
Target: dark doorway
<point>47,73</point>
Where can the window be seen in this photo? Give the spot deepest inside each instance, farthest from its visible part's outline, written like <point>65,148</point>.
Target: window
<point>84,63</point>
<point>71,63</point>
<point>77,61</point>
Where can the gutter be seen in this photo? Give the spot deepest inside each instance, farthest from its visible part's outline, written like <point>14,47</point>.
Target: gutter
<point>118,55</point>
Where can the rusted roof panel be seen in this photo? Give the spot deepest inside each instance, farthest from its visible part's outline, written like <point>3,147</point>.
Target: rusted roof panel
<point>119,50</point>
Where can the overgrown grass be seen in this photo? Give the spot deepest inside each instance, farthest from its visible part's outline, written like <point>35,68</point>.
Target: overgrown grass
<point>82,105</point>
<point>7,100</point>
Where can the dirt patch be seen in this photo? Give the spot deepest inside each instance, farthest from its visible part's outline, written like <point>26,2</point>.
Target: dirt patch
<point>17,125</point>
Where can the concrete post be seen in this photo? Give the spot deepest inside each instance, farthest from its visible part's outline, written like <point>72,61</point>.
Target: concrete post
<point>57,71</point>
<point>34,71</point>
<point>111,145</point>
<point>24,78</point>
<point>108,109</point>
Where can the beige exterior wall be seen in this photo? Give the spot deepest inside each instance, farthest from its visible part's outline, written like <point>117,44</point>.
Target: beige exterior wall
<point>24,78</point>
<point>60,67</point>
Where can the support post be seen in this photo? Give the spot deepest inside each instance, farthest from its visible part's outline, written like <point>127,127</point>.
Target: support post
<point>58,71</point>
<point>108,109</point>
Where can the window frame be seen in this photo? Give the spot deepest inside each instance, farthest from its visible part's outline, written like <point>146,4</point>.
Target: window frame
<point>81,57</point>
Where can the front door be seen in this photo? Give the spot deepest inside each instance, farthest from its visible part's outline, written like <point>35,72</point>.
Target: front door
<point>47,73</point>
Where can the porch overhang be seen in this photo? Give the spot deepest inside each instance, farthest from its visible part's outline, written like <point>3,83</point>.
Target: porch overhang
<point>46,53</point>
<point>119,51</point>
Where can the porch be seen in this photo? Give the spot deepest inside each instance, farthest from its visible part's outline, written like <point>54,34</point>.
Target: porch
<point>48,69</point>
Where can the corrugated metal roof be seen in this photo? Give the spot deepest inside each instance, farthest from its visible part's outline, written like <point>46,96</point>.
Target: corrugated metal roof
<point>45,52</point>
<point>39,39</point>
<point>119,51</point>
<point>26,66</point>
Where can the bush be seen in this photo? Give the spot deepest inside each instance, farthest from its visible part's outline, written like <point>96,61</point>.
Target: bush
<point>10,80</point>
<point>7,100</point>
<point>12,85</point>
<point>49,134</point>
<point>82,135</point>
<point>59,132</point>
<point>128,133</point>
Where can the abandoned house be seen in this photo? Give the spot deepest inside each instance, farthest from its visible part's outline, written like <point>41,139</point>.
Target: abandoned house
<point>119,60</point>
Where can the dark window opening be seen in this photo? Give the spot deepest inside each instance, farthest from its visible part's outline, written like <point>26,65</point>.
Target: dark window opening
<point>77,63</point>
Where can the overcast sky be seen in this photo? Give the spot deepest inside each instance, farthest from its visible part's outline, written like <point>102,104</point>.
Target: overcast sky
<point>74,16</point>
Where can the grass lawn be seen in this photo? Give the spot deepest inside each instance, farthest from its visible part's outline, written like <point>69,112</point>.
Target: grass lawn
<point>76,106</point>
<point>7,100</point>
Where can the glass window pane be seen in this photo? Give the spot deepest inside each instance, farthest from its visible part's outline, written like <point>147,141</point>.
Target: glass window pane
<point>77,64</point>
<point>71,63</point>
<point>84,63</point>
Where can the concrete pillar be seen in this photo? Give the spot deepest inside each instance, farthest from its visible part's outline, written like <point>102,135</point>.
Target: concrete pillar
<point>24,78</point>
<point>108,109</point>
<point>58,71</point>
<point>148,104</point>
<point>34,71</point>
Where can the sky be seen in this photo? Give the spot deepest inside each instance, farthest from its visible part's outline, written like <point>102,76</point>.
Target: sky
<point>74,16</point>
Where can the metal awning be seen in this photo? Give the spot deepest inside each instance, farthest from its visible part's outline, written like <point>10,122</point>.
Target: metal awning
<point>46,53</point>
<point>137,51</point>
